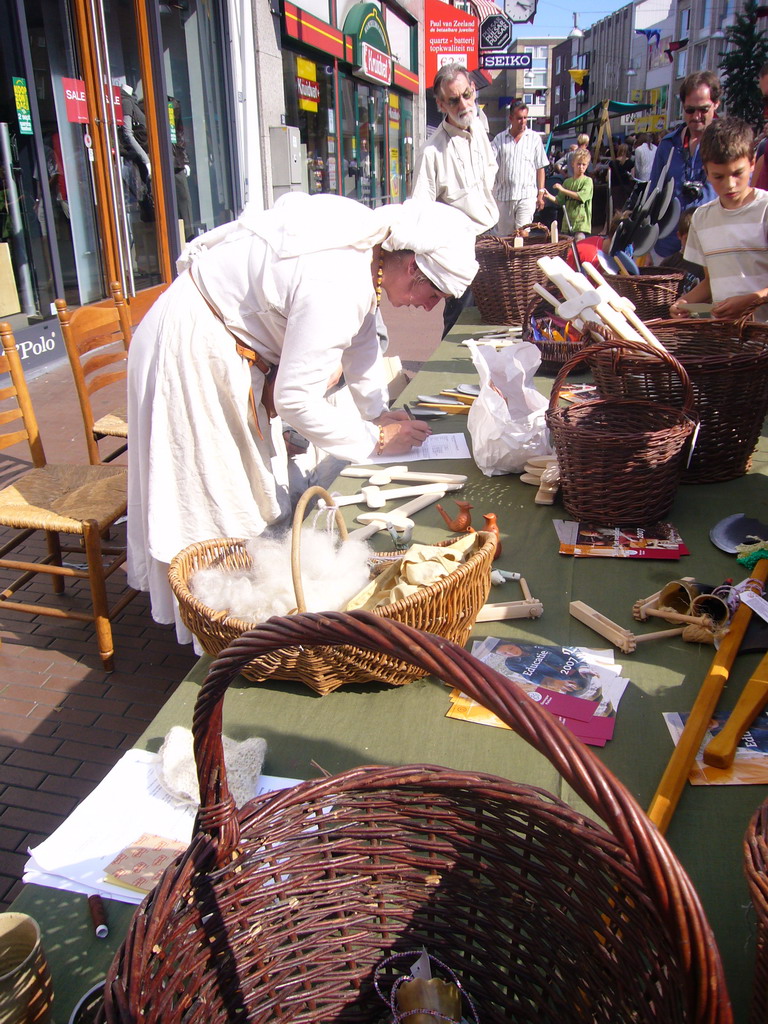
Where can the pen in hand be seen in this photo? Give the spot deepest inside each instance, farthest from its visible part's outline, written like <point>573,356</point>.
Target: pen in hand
<point>408,412</point>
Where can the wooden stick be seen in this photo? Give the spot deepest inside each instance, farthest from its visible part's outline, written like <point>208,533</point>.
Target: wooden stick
<point>660,634</point>
<point>669,616</point>
<point>721,749</point>
<point>618,636</point>
<point>665,799</point>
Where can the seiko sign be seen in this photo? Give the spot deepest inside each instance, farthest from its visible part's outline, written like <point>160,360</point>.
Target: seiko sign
<point>506,60</point>
<point>376,65</point>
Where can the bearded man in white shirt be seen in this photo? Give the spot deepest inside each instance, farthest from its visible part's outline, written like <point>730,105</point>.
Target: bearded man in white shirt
<point>456,165</point>
<point>522,163</point>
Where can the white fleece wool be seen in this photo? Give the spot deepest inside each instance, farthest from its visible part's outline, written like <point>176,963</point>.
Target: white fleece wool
<point>331,574</point>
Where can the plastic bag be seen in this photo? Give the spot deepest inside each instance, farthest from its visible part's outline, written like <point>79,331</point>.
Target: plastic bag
<point>506,421</point>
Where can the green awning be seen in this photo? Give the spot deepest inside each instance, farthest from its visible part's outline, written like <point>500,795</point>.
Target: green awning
<point>615,109</point>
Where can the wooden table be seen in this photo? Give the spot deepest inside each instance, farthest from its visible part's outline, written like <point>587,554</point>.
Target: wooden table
<point>375,724</point>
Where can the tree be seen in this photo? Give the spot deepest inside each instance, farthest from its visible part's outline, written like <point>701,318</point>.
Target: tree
<point>740,66</point>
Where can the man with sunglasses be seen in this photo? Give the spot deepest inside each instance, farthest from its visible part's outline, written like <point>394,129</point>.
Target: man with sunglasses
<point>457,166</point>
<point>700,98</point>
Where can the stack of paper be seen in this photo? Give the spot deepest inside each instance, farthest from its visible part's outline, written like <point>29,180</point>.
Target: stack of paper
<point>586,541</point>
<point>126,804</point>
<point>580,686</point>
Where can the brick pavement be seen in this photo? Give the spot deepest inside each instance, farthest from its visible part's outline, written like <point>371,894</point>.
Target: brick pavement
<point>63,720</point>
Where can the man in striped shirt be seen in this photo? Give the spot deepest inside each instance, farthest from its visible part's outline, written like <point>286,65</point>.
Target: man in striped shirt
<point>519,188</point>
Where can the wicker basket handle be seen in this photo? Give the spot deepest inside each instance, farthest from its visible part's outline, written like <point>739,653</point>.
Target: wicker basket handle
<point>611,341</point>
<point>298,521</point>
<point>534,224</point>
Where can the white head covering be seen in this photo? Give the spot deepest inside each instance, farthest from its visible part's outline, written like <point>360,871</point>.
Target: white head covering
<point>442,238</point>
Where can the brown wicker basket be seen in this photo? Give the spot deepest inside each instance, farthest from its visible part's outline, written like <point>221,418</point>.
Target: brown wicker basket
<point>756,868</point>
<point>553,353</point>
<point>447,607</point>
<point>620,459</point>
<point>282,910</point>
<point>653,290</point>
<point>727,362</point>
<point>503,287</point>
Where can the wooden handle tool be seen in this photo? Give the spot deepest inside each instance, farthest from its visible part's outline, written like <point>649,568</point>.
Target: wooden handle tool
<point>670,788</point>
<point>721,749</point>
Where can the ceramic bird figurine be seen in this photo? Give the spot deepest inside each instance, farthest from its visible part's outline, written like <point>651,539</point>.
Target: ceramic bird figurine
<point>491,526</point>
<point>462,523</point>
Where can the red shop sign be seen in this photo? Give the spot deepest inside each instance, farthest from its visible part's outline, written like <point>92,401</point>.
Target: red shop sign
<point>74,97</point>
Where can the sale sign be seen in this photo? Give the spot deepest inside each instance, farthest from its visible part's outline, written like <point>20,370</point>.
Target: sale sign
<point>450,36</point>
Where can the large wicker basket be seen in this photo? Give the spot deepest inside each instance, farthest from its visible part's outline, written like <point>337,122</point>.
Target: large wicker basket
<point>727,363</point>
<point>448,607</point>
<point>620,459</point>
<point>756,867</point>
<point>282,910</point>
<point>652,291</point>
<point>503,287</point>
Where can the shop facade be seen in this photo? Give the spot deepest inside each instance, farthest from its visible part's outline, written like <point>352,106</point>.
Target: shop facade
<point>119,139</point>
<point>128,127</point>
<point>350,80</point>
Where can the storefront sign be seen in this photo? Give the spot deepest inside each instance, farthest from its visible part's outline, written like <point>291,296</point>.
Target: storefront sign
<point>495,33</point>
<point>371,51</point>
<point>74,99</point>
<point>23,113</point>
<point>449,35</point>
<point>506,60</point>
<point>376,65</point>
<point>306,84</point>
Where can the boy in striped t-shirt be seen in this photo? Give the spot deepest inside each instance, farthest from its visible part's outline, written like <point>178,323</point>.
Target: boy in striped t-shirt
<point>729,236</point>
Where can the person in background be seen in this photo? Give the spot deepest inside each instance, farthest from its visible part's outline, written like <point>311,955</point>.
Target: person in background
<point>519,188</point>
<point>456,165</point>
<point>575,196</point>
<point>245,345</point>
<point>562,164</point>
<point>582,146</point>
<point>694,272</point>
<point>645,151</point>
<point>729,236</point>
<point>700,98</point>
<point>622,181</point>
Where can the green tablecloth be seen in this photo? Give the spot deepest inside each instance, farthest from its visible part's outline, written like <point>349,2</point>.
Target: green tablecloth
<point>376,724</point>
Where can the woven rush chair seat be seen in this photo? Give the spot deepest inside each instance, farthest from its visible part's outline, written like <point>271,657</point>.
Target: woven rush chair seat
<point>79,501</point>
<point>448,607</point>
<point>652,291</point>
<point>620,458</point>
<point>727,364</point>
<point>756,869</point>
<point>97,339</point>
<point>503,287</point>
<point>280,912</point>
<point>60,497</point>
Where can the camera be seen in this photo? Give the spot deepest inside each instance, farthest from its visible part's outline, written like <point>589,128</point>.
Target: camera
<point>692,190</point>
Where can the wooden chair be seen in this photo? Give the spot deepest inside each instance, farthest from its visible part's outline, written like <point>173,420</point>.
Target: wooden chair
<point>82,501</point>
<point>97,339</point>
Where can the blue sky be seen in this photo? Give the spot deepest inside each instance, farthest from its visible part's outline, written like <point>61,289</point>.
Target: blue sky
<point>556,19</point>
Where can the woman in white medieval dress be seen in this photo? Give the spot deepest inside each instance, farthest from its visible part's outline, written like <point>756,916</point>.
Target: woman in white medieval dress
<point>243,346</point>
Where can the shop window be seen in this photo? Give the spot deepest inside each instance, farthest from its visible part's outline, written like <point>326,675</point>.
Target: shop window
<point>199,119</point>
<point>309,106</point>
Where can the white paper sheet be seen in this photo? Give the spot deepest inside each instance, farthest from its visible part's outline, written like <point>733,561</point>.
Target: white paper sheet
<point>436,446</point>
<point>127,803</point>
